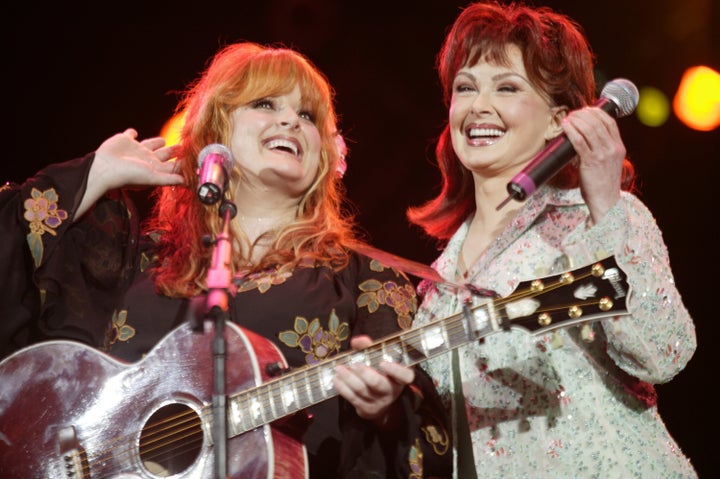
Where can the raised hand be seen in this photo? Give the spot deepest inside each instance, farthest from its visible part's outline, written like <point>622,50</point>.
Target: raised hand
<point>122,160</point>
<point>596,139</point>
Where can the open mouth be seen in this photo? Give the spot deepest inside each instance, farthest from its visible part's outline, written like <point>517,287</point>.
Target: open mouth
<point>283,144</point>
<point>475,133</point>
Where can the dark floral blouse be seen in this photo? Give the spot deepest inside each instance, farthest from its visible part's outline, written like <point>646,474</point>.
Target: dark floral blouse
<point>88,281</point>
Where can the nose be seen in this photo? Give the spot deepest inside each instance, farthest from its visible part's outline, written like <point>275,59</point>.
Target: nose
<point>289,119</point>
<point>481,103</point>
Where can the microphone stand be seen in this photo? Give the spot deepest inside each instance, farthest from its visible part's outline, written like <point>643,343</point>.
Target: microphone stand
<point>218,282</point>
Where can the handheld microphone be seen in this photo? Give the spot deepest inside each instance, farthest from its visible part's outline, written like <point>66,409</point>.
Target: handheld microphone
<point>215,162</point>
<point>619,98</point>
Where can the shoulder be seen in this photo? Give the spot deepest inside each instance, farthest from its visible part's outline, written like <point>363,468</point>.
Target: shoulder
<point>368,261</point>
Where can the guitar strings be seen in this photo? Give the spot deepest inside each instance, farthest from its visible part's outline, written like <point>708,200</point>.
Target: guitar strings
<point>161,441</point>
<point>182,433</point>
<point>455,329</point>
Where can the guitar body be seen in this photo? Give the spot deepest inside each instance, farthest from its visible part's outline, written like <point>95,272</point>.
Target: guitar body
<point>67,410</point>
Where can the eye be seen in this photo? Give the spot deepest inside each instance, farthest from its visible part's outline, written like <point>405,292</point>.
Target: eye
<point>507,87</point>
<point>263,104</point>
<point>307,115</point>
<point>464,87</point>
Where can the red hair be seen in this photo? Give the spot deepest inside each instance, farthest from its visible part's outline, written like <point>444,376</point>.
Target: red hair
<point>559,63</point>
<point>237,75</point>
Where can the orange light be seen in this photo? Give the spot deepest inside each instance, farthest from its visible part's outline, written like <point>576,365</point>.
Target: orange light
<point>172,128</point>
<point>697,101</point>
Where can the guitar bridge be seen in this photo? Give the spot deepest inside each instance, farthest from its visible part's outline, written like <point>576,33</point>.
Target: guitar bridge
<point>71,455</point>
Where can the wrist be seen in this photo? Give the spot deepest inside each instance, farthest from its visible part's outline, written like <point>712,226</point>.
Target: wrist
<point>390,419</point>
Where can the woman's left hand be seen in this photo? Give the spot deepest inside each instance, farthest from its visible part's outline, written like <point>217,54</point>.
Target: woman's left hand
<point>371,391</point>
<point>596,139</point>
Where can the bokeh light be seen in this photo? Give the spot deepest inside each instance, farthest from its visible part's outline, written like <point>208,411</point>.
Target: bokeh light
<point>653,107</point>
<point>697,101</point>
<point>172,128</point>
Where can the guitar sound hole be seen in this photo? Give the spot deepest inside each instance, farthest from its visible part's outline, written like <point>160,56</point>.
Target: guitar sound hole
<point>171,440</point>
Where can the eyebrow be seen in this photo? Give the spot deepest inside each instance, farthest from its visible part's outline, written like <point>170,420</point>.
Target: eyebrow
<point>502,76</point>
<point>496,77</point>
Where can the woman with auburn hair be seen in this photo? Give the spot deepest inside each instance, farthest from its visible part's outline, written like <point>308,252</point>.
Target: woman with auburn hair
<point>573,401</point>
<point>258,173</point>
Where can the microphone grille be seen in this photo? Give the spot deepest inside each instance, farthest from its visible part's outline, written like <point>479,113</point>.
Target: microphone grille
<point>623,93</point>
<point>217,149</point>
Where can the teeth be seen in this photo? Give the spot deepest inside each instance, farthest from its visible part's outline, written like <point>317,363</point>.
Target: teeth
<point>485,132</point>
<point>280,143</point>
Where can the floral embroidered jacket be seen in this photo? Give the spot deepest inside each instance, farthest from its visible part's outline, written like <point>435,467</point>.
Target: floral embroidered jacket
<point>87,281</point>
<point>556,405</point>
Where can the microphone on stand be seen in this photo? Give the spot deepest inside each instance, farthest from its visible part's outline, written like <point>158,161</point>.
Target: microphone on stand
<point>215,162</point>
<point>619,98</point>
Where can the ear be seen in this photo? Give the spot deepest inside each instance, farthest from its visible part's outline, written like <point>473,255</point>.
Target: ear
<point>557,114</point>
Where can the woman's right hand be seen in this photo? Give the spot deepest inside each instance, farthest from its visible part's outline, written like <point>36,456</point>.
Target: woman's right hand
<point>122,160</point>
<point>596,138</point>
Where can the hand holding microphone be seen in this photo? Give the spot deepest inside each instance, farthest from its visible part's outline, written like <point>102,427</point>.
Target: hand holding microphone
<point>618,98</point>
<point>215,163</point>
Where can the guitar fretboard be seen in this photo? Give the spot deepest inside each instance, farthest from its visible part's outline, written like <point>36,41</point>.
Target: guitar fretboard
<point>588,294</point>
<point>313,384</point>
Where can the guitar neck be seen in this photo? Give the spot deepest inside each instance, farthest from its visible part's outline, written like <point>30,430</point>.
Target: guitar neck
<point>310,385</point>
<point>590,294</point>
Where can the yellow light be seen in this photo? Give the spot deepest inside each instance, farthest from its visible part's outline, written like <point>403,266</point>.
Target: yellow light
<point>653,107</point>
<point>697,101</point>
<point>172,128</point>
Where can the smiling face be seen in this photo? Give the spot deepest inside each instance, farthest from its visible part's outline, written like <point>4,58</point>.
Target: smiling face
<point>276,143</point>
<point>498,120</point>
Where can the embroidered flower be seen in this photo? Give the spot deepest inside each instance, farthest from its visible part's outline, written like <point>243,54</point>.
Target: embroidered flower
<point>43,215</point>
<point>437,437</point>
<point>415,460</point>
<point>554,448</point>
<point>432,427</point>
<point>263,280</point>
<point>146,261</point>
<point>672,352</point>
<point>118,330</point>
<point>317,343</point>
<point>401,298</point>
<point>493,449</point>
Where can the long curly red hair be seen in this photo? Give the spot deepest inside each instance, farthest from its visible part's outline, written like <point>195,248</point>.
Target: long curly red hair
<point>238,74</point>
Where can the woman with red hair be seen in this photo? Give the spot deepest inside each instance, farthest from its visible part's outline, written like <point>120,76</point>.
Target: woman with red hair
<point>577,401</point>
<point>262,131</point>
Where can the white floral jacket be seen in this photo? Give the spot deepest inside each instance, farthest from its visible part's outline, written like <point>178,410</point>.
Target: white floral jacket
<point>555,405</point>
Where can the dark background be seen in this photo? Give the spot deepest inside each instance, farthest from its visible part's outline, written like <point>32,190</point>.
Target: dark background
<point>76,73</point>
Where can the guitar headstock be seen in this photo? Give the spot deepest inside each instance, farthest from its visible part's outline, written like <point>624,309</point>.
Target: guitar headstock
<point>591,293</point>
